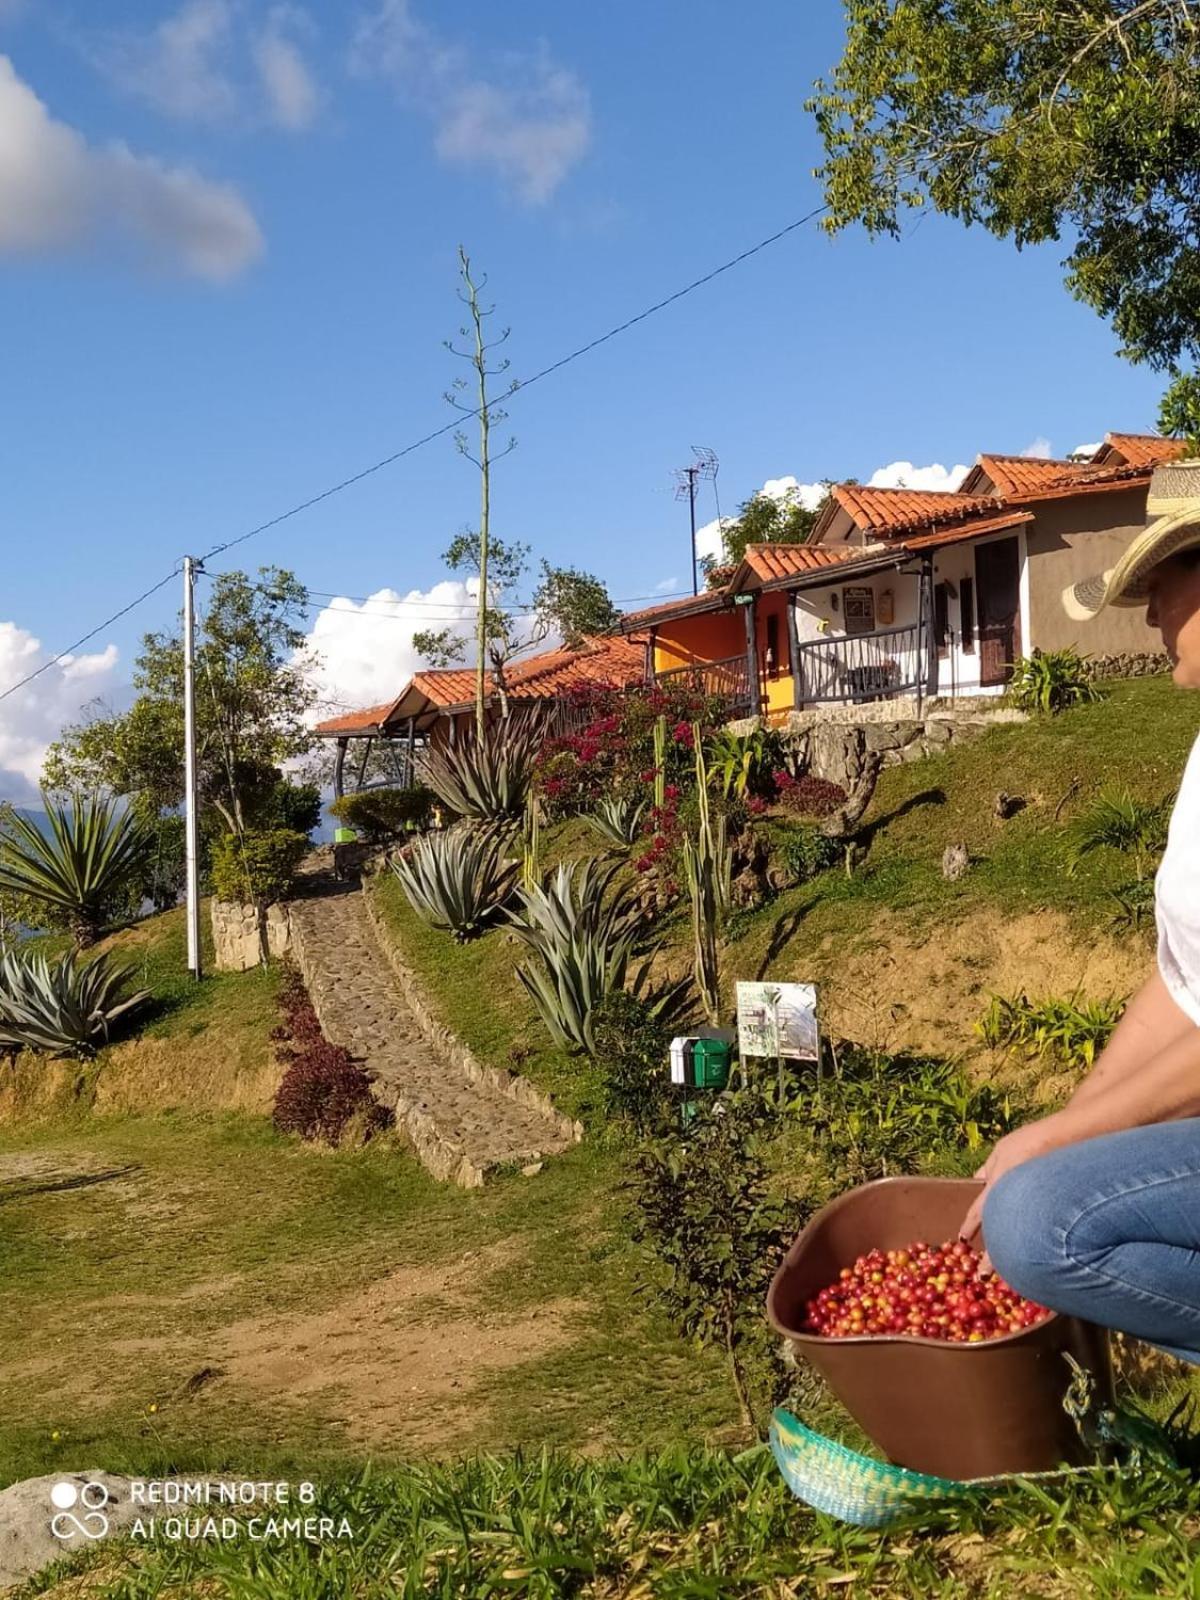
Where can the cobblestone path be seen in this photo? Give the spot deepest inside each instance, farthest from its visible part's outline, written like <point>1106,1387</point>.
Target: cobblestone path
<point>459,1129</point>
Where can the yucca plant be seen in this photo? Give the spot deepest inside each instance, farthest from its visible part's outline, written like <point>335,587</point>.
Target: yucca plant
<point>82,869</point>
<point>458,880</point>
<point>582,931</point>
<point>618,818</point>
<point>488,779</point>
<point>1052,680</point>
<point>66,1007</point>
<point>1137,828</point>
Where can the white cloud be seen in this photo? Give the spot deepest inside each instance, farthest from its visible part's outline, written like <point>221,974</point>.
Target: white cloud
<point>36,714</point>
<point>208,62</point>
<point>365,652</point>
<point>527,118</point>
<point>1086,450</point>
<point>1040,446</point>
<point>666,586</point>
<point>179,67</point>
<point>58,192</point>
<point>904,475</point>
<point>290,89</point>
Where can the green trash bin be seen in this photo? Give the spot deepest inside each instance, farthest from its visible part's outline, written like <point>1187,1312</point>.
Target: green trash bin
<point>700,1063</point>
<point>344,836</point>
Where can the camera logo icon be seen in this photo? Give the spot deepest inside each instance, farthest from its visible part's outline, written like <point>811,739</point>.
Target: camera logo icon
<point>78,1510</point>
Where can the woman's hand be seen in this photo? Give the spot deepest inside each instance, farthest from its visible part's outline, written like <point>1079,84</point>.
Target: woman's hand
<point>1023,1144</point>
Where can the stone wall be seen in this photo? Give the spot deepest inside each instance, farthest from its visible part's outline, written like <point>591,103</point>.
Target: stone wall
<point>832,749</point>
<point>1142,665</point>
<point>237,936</point>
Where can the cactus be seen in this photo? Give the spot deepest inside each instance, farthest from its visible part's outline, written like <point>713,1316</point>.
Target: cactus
<point>708,865</point>
<point>660,764</point>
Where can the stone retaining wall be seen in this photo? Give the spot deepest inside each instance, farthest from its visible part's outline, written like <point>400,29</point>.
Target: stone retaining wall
<point>237,935</point>
<point>832,750</point>
<point>448,1045</point>
<point>1147,664</point>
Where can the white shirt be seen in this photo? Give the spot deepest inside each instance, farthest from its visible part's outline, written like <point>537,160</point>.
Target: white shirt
<point>1177,896</point>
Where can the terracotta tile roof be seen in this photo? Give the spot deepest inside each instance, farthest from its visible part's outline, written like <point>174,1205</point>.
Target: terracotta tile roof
<point>444,688</point>
<point>683,606</point>
<point>769,561</point>
<point>1018,475</point>
<point>893,510</point>
<point>365,721</point>
<point>612,659</point>
<point>1138,449</point>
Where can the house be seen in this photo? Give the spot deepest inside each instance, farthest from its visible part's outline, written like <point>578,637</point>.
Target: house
<point>921,592</point>
<point>438,707</point>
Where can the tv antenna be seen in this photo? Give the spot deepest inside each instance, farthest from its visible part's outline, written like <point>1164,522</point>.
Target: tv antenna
<point>704,468</point>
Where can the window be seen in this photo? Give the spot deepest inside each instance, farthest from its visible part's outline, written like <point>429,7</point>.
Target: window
<point>858,609</point>
<point>966,603</point>
<point>941,618</point>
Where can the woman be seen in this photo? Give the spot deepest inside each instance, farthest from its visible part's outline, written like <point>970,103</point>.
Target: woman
<point>1095,1209</point>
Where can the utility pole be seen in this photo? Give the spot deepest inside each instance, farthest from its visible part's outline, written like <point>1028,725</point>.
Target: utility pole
<point>190,808</point>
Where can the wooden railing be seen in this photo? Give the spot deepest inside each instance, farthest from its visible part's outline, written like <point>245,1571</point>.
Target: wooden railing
<point>860,666</point>
<point>729,678</point>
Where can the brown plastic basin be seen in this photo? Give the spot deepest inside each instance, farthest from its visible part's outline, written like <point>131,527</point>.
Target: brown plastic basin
<point>956,1410</point>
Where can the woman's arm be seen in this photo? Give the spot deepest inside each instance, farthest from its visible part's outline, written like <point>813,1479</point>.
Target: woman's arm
<point>1148,1072</point>
<point>1150,1023</point>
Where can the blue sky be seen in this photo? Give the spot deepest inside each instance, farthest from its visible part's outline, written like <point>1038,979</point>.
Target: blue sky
<point>227,263</point>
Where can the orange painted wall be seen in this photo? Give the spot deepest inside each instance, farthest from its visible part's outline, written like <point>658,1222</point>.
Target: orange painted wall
<point>715,636</point>
<point>720,635</point>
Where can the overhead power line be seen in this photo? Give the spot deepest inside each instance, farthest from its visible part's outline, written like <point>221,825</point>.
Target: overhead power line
<point>88,637</point>
<point>428,438</point>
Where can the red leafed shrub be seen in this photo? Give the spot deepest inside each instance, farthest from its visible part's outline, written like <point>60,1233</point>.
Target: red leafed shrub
<point>611,750</point>
<point>807,796</point>
<point>323,1088</point>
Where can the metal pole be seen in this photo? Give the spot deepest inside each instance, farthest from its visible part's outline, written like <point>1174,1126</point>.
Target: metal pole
<point>691,472</point>
<point>190,807</point>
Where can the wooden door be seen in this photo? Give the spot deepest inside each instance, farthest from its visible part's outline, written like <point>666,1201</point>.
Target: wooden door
<point>998,606</point>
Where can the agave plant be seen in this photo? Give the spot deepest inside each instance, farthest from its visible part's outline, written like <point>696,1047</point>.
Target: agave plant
<point>82,868</point>
<point>582,932</point>
<point>488,779</point>
<point>458,880</point>
<point>67,1007</point>
<point>617,819</point>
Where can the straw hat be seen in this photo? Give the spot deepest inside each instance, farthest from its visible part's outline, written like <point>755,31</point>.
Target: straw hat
<point>1174,504</point>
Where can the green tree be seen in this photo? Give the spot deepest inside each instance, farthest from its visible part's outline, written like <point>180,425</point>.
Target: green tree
<point>1039,122</point>
<point>768,519</point>
<point>566,602</point>
<point>253,693</point>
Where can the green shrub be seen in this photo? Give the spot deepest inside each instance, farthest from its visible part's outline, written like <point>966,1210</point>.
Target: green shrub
<point>806,852</point>
<point>380,815</point>
<point>258,867</point>
<point>875,1115</point>
<point>1052,680</point>
<point>459,880</point>
<point>1070,1033</point>
<point>742,764</point>
<point>67,1007</point>
<point>714,1234</point>
<point>632,1055</point>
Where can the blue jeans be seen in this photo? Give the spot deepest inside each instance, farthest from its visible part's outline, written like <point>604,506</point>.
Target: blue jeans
<point>1108,1230</point>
